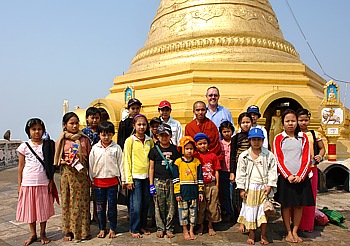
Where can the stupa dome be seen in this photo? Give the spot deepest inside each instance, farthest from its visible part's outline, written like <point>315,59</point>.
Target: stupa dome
<point>213,31</point>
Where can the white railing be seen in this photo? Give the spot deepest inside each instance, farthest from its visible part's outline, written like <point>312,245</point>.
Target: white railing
<point>8,154</point>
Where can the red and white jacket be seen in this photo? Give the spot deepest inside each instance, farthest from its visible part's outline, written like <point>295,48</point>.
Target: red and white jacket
<point>305,157</point>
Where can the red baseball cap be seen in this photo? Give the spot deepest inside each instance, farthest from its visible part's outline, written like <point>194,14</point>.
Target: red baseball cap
<point>164,104</point>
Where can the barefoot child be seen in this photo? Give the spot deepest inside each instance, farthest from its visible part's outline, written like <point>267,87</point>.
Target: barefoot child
<point>291,148</point>
<point>239,143</point>
<point>162,157</point>
<point>35,181</point>
<point>136,165</point>
<point>188,186</point>
<point>226,130</point>
<point>106,171</point>
<point>72,152</point>
<point>256,175</point>
<point>209,207</point>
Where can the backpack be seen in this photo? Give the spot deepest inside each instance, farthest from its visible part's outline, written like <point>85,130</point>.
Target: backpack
<point>334,217</point>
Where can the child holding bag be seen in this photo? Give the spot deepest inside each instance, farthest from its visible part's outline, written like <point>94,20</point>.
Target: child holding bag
<point>256,176</point>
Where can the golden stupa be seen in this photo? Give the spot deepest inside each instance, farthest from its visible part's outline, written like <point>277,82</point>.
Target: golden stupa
<point>235,45</point>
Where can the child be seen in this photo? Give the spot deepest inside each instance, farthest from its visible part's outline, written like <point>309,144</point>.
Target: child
<point>226,130</point>
<point>162,157</point>
<point>154,123</point>
<point>35,181</point>
<point>255,114</point>
<point>93,119</point>
<point>256,175</point>
<point>209,207</point>
<point>239,143</point>
<point>317,151</point>
<point>164,110</point>
<point>72,152</point>
<point>136,165</point>
<point>188,186</point>
<point>125,126</point>
<point>106,170</point>
<point>291,148</point>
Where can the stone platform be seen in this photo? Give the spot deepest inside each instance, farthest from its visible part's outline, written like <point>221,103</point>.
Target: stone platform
<point>14,233</point>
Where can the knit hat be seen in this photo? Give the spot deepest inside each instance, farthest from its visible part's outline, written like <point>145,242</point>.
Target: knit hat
<point>253,109</point>
<point>200,136</point>
<point>184,141</point>
<point>255,133</point>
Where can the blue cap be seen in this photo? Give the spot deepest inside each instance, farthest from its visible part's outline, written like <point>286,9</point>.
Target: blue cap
<point>200,136</point>
<point>253,109</point>
<point>255,133</point>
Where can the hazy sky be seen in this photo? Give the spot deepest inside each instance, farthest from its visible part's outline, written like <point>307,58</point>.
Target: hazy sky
<point>56,50</point>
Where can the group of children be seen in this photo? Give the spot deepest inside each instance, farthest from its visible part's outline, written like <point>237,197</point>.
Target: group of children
<point>180,174</point>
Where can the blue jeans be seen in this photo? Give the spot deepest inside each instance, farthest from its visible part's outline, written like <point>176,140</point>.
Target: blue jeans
<point>102,195</point>
<point>139,201</point>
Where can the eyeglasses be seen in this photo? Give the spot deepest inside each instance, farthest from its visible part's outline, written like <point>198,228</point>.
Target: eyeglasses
<point>213,95</point>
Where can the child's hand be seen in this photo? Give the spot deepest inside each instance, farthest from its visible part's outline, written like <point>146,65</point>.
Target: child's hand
<point>297,179</point>
<point>242,194</point>
<point>201,197</point>
<point>50,187</point>
<point>318,158</point>
<point>130,186</point>
<point>152,190</point>
<point>179,198</point>
<point>267,190</point>
<point>232,177</point>
<point>291,179</point>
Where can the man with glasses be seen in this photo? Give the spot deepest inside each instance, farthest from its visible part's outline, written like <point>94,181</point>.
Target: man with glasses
<point>216,112</point>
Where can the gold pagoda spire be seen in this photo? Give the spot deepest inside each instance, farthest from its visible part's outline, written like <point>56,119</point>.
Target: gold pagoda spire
<point>190,31</point>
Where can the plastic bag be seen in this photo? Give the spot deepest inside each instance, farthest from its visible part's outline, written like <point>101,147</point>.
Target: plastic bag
<point>320,218</point>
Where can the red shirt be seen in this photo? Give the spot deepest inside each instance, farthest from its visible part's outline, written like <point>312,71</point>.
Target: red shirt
<point>105,182</point>
<point>210,163</point>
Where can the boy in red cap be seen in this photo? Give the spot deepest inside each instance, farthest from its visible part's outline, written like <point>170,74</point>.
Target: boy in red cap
<point>164,110</point>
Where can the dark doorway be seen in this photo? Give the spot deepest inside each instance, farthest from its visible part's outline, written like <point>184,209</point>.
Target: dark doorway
<point>279,104</point>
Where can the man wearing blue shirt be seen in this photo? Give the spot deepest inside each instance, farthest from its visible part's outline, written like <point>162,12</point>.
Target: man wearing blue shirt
<point>216,112</point>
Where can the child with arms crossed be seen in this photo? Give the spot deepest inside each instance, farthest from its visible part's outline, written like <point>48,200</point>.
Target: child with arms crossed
<point>209,207</point>
<point>188,186</point>
<point>162,157</point>
<point>256,175</point>
<point>106,170</point>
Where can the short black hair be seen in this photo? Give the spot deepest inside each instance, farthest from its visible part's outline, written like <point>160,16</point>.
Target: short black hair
<point>226,124</point>
<point>106,126</point>
<point>92,111</point>
<point>31,122</point>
